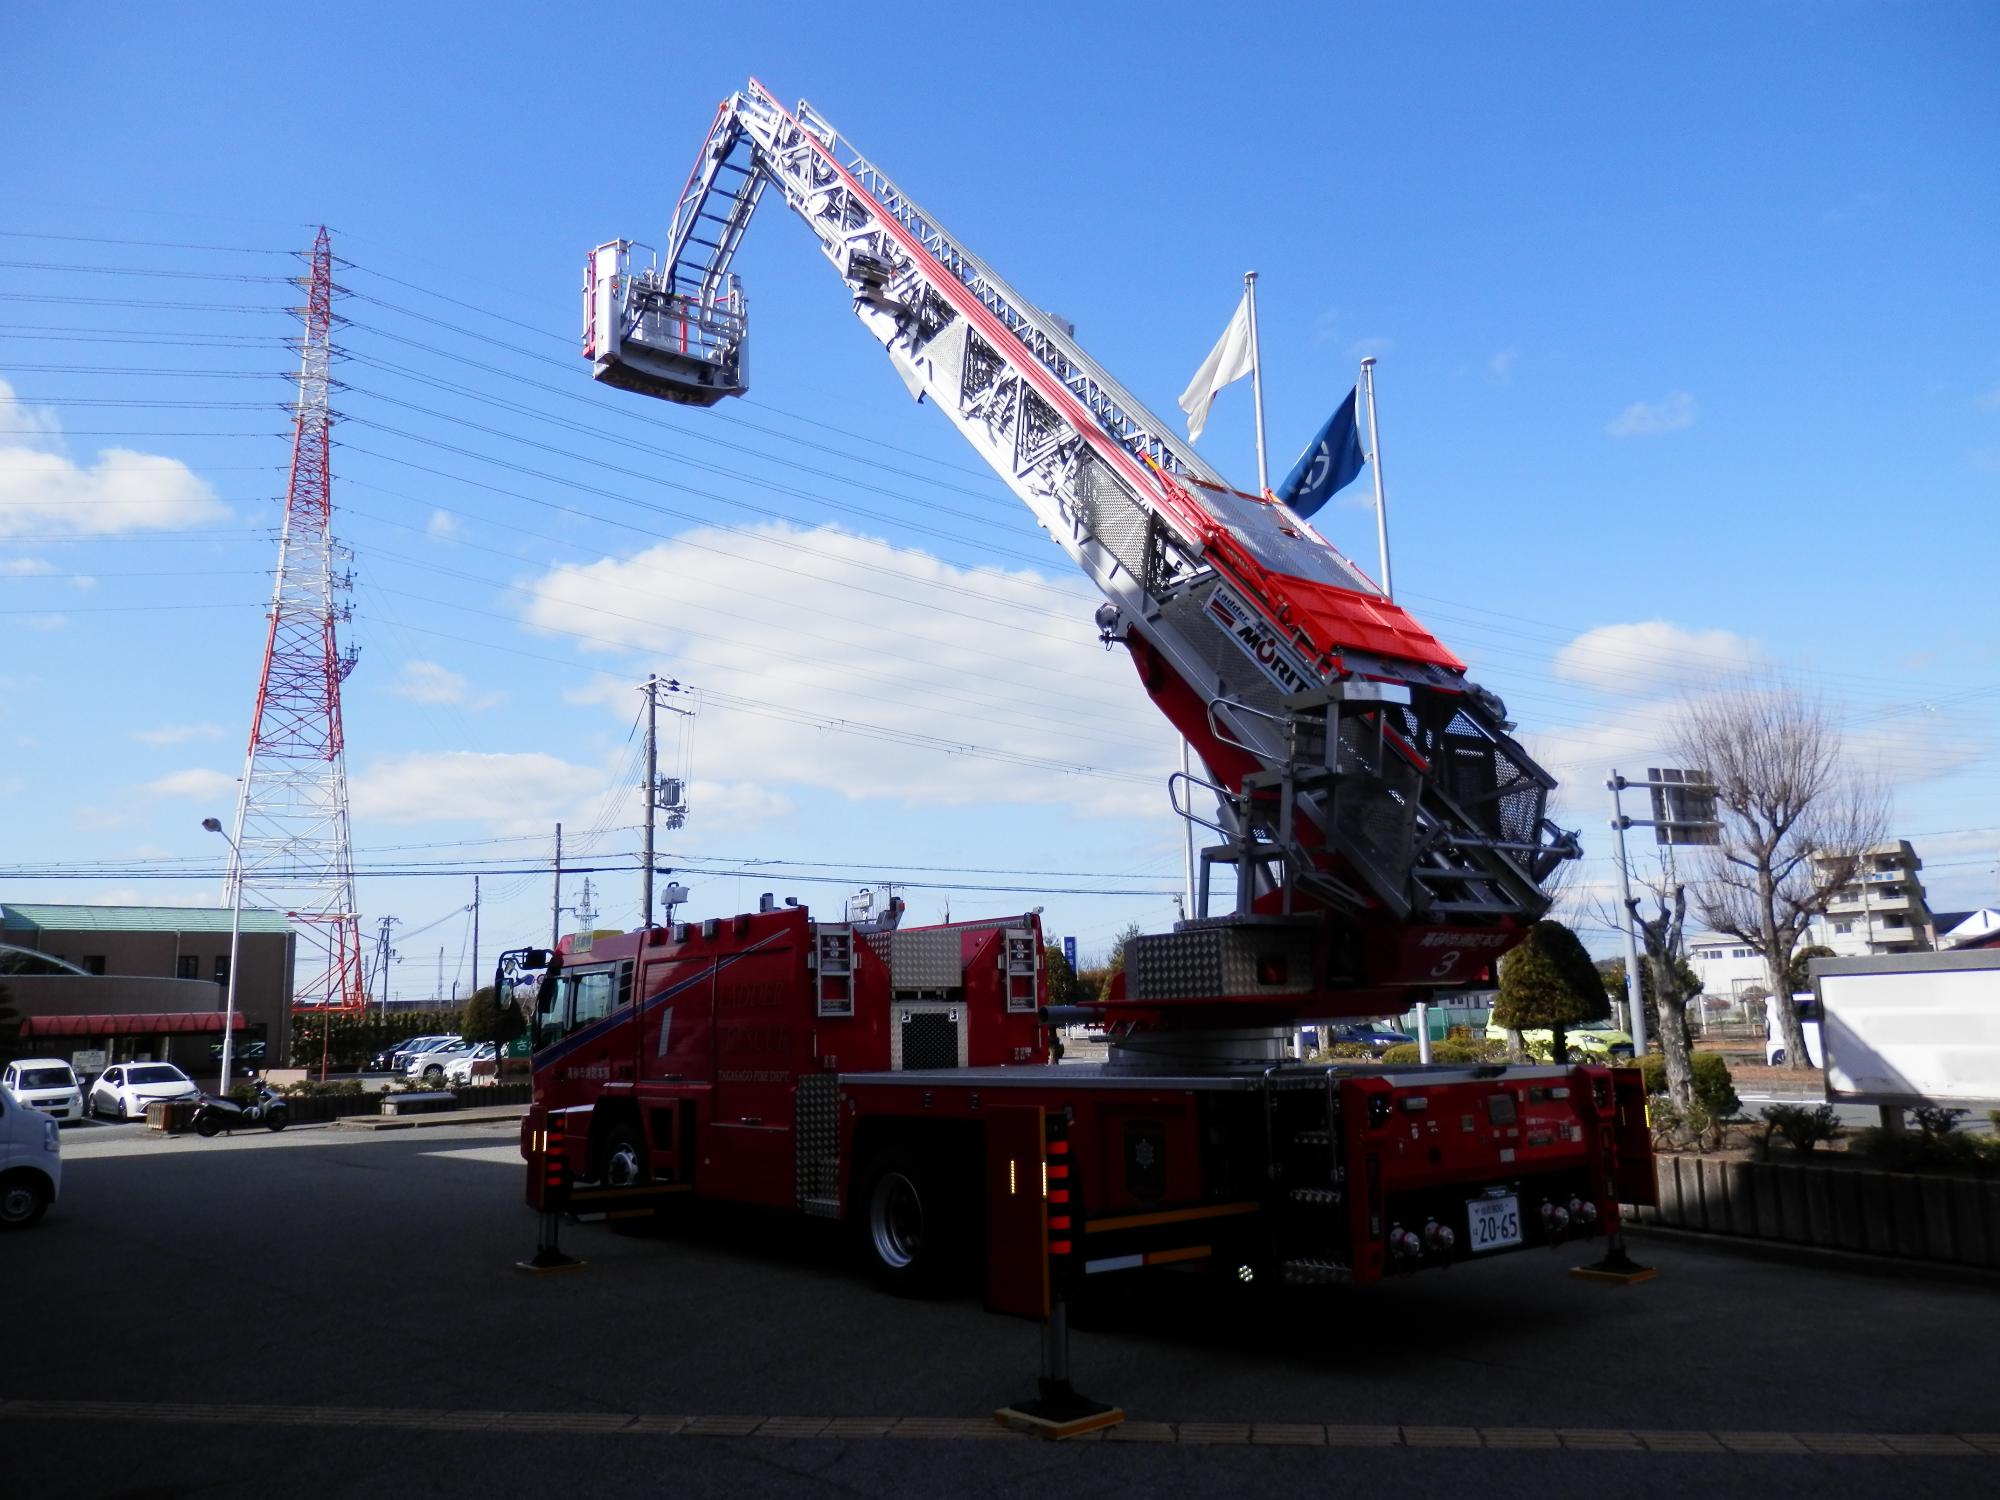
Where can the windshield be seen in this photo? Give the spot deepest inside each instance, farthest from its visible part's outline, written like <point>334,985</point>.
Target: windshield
<point>46,1078</point>
<point>159,1074</point>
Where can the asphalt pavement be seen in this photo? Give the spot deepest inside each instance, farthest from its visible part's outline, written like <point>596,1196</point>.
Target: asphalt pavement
<point>340,1314</point>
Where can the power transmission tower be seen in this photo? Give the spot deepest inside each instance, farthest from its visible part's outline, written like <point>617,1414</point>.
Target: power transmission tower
<point>294,851</point>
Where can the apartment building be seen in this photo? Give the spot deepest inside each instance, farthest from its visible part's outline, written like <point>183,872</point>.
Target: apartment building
<point>1882,909</point>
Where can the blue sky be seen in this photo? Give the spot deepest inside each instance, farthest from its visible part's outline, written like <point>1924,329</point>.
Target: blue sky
<point>1686,328</point>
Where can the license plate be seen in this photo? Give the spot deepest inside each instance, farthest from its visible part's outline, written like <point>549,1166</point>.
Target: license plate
<point>1495,1223</point>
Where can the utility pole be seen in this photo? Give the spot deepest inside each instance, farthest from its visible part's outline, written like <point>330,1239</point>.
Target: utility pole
<point>475,935</point>
<point>651,791</point>
<point>438,996</point>
<point>555,907</point>
<point>383,954</point>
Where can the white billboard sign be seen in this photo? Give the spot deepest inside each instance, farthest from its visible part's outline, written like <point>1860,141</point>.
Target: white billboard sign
<point>1911,1028</point>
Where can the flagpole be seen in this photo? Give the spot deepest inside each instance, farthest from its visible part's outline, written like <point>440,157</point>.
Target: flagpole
<point>1374,462</point>
<point>1256,381</point>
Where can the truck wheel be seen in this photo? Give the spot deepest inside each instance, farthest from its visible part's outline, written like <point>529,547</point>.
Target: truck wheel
<point>906,1225</point>
<point>24,1198</point>
<point>623,1162</point>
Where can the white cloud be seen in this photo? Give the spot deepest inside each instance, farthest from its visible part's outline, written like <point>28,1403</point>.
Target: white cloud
<point>443,526</point>
<point>193,784</point>
<point>25,567</point>
<point>46,623</point>
<point>740,802</point>
<point>1374,344</point>
<point>1651,418</point>
<point>522,791</point>
<point>177,734</point>
<point>1988,400</point>
<point>43,490</point>
<point>977,659</point>
<point>1652,654</point>
<point>428,682</point>
<point>1501,365</point>
<point>35,427</point>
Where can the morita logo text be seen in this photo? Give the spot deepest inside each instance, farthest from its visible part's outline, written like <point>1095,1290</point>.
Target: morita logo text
<point>1257,640</point>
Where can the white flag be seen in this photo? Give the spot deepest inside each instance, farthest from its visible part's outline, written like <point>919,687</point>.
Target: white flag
<point>1228,360</point>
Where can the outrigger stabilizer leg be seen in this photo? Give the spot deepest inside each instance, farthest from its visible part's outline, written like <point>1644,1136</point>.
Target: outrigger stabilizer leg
<point>1616,1266</point>
<point>551,1195</point>
<point>1058,1410</point>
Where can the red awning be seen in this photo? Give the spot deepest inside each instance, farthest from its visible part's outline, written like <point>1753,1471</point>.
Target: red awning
<point>132,1023</point>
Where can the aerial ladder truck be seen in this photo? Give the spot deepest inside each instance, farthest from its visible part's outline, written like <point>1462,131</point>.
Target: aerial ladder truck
<point>1381,834</point>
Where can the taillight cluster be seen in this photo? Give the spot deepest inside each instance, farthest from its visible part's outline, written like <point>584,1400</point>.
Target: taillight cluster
<point>1578,1216</point>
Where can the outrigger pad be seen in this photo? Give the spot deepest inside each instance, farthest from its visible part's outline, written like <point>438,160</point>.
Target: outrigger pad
<point>546,1261</point>
<point>1058,1412</point>
<point>1617,1267</point>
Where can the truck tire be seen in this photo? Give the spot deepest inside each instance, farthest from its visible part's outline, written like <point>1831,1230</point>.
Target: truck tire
<point>909,1226</point>
<point>621,1159</point>
<point>24,1198</point>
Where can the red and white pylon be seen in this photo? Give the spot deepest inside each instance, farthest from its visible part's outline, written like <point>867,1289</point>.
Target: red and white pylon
<point>293,850</point>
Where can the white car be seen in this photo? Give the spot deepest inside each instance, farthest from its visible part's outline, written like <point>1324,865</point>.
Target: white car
<point>430,1063</point>
<point>465,1066</point>
<point>124,1091</point>
<point>400,1055</point>
<point>30,1162</point>
<point>45,1083</point>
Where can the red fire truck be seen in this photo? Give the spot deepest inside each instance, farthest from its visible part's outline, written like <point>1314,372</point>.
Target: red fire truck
<point>1378,833</point>
<point>900,1079</point>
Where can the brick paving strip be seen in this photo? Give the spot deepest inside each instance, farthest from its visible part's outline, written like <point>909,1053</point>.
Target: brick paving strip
<point>969,1429</point>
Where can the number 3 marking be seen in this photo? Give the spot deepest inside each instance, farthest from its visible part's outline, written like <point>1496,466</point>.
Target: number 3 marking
<point>1446,964</point>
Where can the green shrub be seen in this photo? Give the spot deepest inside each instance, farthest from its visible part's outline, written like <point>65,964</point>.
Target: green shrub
<point>1801,1128</point>
<point>1918,1151</point>
<point>1677,1129</point>
<point>1456,1050</point>
<point>312,1088</point>
<point>1935,1122</point>
<point>1343,1052</point>
<point>1714,1089</point>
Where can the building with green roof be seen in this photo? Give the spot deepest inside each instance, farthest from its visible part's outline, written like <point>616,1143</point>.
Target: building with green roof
<point>108,984</point>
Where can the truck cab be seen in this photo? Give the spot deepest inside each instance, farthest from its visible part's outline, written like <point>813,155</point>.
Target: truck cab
<point>704,1054</point>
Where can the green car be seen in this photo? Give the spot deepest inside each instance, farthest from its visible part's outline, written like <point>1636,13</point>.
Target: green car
<point>1594,1041</point>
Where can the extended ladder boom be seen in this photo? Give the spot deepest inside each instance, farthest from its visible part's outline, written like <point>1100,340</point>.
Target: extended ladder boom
<point>1385,829</point>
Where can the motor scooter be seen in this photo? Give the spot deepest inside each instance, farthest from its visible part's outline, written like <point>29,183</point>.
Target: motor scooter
<point>212,1116</point>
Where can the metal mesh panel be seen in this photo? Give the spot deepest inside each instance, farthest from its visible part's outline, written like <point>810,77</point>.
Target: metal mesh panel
<point>1225,661</point>
<point>930,1040</point>
<point>1479,775</point>
<point>1374,810</point>
<point>1112,514</point>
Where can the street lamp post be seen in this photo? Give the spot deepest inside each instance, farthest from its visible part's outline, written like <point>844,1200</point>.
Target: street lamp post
<point>214,825</point>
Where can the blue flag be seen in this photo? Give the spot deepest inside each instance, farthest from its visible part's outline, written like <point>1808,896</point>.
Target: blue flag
<point>1329,463</point>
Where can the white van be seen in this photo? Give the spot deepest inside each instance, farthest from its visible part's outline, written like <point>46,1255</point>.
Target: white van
<point>1774,1034</point>
<point>30,1161</point>
<point>47,1083</point>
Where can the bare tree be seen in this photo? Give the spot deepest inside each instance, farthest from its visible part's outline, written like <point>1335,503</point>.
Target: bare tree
<point>1796,822</point>
<point>1664,954</point>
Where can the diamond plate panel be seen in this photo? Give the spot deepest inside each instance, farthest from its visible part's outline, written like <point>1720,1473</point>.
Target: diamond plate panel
<point>816,1136</point>
<point>926,959</point>
<point>1223,960</point>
